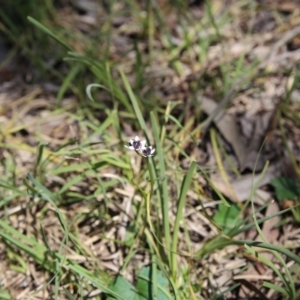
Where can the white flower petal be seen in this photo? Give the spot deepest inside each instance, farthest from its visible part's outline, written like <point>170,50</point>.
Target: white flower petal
<point>136,144</point>
<point>143,144</point>
<point>129,147</point>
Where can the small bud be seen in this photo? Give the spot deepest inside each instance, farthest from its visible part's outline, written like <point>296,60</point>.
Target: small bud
<point>148,151</point>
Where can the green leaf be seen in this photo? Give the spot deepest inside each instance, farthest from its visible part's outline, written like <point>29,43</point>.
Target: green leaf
<point>124,290</point>
<point>144,285</point>
<point>276,287</point>
<point>143,290</point>
<point>227,217</point>
<point>4,295</point>
<point>286,188</point>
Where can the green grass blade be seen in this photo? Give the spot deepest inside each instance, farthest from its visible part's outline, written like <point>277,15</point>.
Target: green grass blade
<point>221,242</point>
<point>40,154</point>
<point>70,183</point>
<point>48,32</point>
<point>180,207</point>
<point>164,196</point>
<point>89,90</point>
<point>38,252</point>
<point>267,262</point>
<point>135,105</point>
<point>289,284</point>
<point>277,288</point>
<point>67,82</point>
<point>222,198</point>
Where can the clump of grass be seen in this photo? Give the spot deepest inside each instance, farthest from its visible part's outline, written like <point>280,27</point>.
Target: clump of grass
<point>112,211</point>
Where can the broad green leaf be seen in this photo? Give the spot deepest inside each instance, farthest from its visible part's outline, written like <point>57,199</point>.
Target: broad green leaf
<point>144,285</point>
<point>4,295</point>
<point>227,217</point>
<point>125,290</point>
<point>286,188</point>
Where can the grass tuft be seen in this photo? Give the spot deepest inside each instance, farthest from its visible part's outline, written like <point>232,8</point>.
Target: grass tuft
<point>84,217</point>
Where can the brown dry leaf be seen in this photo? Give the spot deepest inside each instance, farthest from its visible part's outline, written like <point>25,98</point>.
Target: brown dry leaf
<point>228,127</point>
<point>246,140</point>
<point>255,158</point>
<point>269,227</point>
<point>242,186</point>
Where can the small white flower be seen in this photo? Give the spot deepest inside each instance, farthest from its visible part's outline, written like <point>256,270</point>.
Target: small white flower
<point>148,151</point>
<point>136,144</point>
<point>140,147</point>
